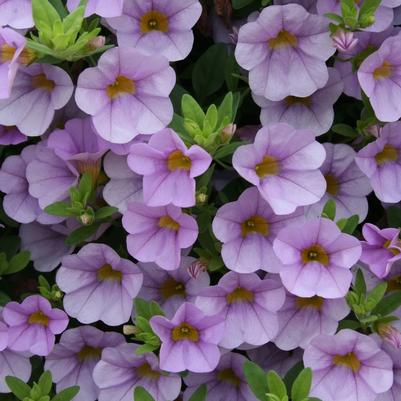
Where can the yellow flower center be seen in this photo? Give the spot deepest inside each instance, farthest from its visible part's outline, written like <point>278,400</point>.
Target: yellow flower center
<point>146,371</point>
<point>154,21</point>
<point>313,302</point>
<point>171,288</point>
<point>394,284</point>
<point>332,184</point>
<point>229,376</point>
<point>291,100</point>
<point>388,154</point>
<point>384,71</point>
<point>185,332</point>
<point>178,161</point>
<point>394,251</point>
<point>169,223</point>
<point>38,318</point>
<point>315,253</point>
<point>121,86</point>
<point>40,81</point>
<point>349,360</point>
<point>89,353</point>
<point>268,166</point>
<point>283,39</point>
<point>255,225</point>
<point>7,53</point>
<point>107,273</point>
<point>239,295</point>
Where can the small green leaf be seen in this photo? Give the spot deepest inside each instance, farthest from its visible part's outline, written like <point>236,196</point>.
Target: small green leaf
<point>44,15</point>
<point>19,388</point>
<point>276,384</point>
<point>191,110</point>
<point>45,382</point>
<point>140,394</point>
<point>147,309</point>
<point>334,17</point>
<point>375,296</point>
<point>81,234</point>
<point>256,378</point>
<point>145,348</point>
<point>67,394</point>
<point>329,209</point>
<point>348,226</point>
<point>209,124</point>
<point>105,212</point>
<point>344,130</point>
<point>59,209</point>
<point>368,10</point>
<point>388,304</point>
<point>302,385</point>
<point>237,4</point>
<point>18,262</point>
<point>199,394</point>
<point>85,187</point>
<point>360,284</point>
<point>227,150</point>
<point>393,216</point>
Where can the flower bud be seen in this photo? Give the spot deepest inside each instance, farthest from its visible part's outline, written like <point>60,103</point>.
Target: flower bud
<point>390,335</point>
<point>344,41</point>
<point>227,133</point>
<point>196,268</point>
<point>97,42</point>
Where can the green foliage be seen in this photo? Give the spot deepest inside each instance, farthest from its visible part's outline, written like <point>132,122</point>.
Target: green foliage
<point>50,292</point>
<point>140,394</point>
<point>199,394</point>
<point>17,262</point>
<point>329,210</point>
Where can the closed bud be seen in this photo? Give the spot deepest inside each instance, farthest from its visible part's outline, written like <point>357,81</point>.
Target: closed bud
<point>390,334</point>
<point>196,268</point>
<point>97,42</point>
<point>344,41</point>
<point>227,133</point>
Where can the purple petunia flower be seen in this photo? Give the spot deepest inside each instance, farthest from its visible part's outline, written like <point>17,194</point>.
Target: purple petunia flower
<point>171,288</point>
<point>314,112</point>
<point>285,51</point>
<point>157,234</point>
<point>249,306</point>
<point>317,262</point>
<point>16,13</point>
<point>247,228</point>
<point>120,371</point>
<point>126,94</point>
<point>348,366</point>
<point>158,27</point>
<point>11,135</point>
<point>33,325</point>
<point>104,8</point>
<point>169,169</point>
<point>381,249</point>
<point>189,340</point>
<point>98,285</point>
<point>38,91</point>
<point>73,359</point>
<point>283,163</point>
<point>380,162</point>
<point>347,185</point>
<point>227,381</point>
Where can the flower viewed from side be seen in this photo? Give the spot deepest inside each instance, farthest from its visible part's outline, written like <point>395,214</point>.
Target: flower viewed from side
<point>169,169</point>
<point>344,41</point>
<point>16,13</point>
<point>33,324</point>
<point>283,163</point>
<point>74,357</point>
<point>99,285</point>
<point>127,94</point>
<point>189,340</point>
<point>158,27</point>
<point>285,50</point>
<point>157,234</point>
<point>104,8</point>
<point>348,366</point>
<point>317,258</point>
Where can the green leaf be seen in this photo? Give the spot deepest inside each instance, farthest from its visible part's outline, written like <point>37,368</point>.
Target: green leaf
<point>360,284</point>
<point>59,209</point>
<point>348,226</point>
<point>349,324</point>
<point>20,389</point>
<point>256,378</point>
<point>81,234</point>
<point>44,15</point>
<point>394,216</point>
<point>375,296</point>
<point>67,394</point>
<point>368,10</point>
<point>192,111</point>
<point>226,109</point>
<point>349,11</point>
<point>344,130</point>
<point>237,4</point>
<point>45,382</point>
<point>292,374</point>
<point>85,187</point>
<point>18,262</point>
<point>59,7</point>
<point>145,348</point>
<point>210,122</point>
<point>72,23</point>
<point>302,385</point>
<point>276,384</point>
<point>388,304</point>
<point>199,394</point>
<point>140,394</point>
<point>329,209</point>
<point>105,212</point>
<point>147,309</point>
<point>334,17</point>
<point>227,150</point>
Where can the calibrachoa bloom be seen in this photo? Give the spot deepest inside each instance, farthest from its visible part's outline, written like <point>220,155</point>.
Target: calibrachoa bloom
<point>189,340</point>
<point>249,306</point>
<point>227,381</point>
<point>37,92</point>
<point>347,185</point>
<point>169,169</point>
<point>16,13</point>
<point>120,371</point>
<point>98,285</point>
<point>381,249</point>
<point>126,94</point>
<point>74,357</point>
<point>157,234</point>
<point>104,8</point>
<point>314,112</point>
<point>317,258</point>
<point>11,135</point>
<point>33,325</point>
<point>348,366</point>
<point>158,27</point>
<point>285,51</point>
<point>283,163</point>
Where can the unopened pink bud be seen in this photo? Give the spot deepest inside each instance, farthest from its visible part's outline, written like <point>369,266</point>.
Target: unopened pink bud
<point>390,334</point>
<point>344,41</point>
<point>196,268</point>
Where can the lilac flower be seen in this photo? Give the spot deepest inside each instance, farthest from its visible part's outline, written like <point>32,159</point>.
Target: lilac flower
<point>104,8</point>
<point>346,184</point>
<point>16,13</point>
<point>38,91</point>
<point>124,185</point>
<point>126,94</point>
<point>302,319</point>
<point>189,340</point>
<point>73,359</point>
<point>313,112</point>
<point>381,249</point>
<point>228,380</point>
<point>344,41</point>
<point>11,135</point>
<point>285,50</point>
<point>283,163</point>
<point>249,306</point>
<point>317,262</point>
<point>3,336</point>
<point>120,371</point>
<point>33,325</point>
<point>157,234</point>
<point>158,27</point>
<point>247,229</point>
<point>13,364</point>
<point>171,288</point>
<point>379,161</point>
<point>348,366</point>
<point>169,169</point>
<point>98,285</point>
<point>379,77</point>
